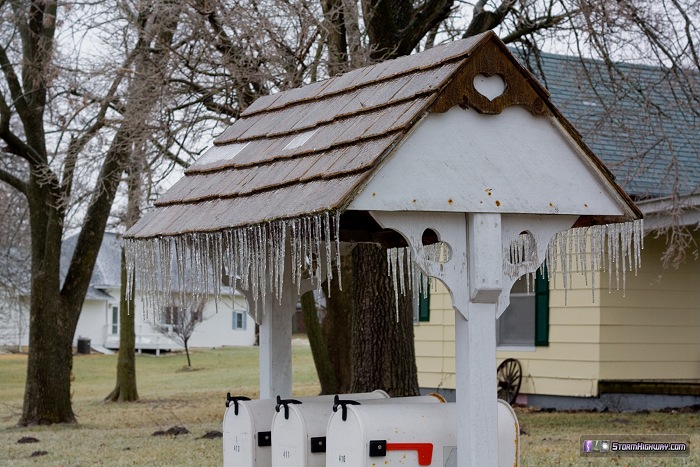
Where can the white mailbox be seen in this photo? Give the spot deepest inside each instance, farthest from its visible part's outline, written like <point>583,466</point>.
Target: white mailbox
<point>299,427</point>
<point>248,428</point>
<point>409,435</point>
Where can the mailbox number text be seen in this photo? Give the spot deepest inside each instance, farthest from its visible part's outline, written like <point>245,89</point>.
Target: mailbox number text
<point>237,448</point>
<point>286,454</point>
<point>341,458</point>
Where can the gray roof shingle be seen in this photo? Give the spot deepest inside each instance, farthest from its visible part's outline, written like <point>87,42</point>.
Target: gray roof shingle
<point>637,121</point>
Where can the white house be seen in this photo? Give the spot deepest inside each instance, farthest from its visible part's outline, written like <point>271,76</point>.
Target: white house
<point>225,323</point>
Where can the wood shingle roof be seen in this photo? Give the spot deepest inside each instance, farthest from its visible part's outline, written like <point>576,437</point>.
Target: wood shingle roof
<point>309,150</point>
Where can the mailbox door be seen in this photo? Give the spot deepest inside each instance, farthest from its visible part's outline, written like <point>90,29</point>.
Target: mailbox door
<point>239,438</point>
<point>289,448</point>
<point>345,446</point>
<point>300,439</point>
<point>408,435</point>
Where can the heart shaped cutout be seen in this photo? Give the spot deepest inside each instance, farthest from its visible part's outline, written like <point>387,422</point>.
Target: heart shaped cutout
<point>489,86</point>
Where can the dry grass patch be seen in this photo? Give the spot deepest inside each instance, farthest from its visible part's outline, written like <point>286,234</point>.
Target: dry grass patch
<point>113,434</point>
<point>110,434</point>
<point>553,438</point>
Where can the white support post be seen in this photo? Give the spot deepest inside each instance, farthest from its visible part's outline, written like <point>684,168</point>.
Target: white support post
<point>475,340</point>
<point>477,409</point>
<point>276,346</point>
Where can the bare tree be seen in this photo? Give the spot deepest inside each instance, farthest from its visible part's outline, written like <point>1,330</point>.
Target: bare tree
<point>180,319</point>
<point>69,114</point>
<point>74,108</point>
<point>151,72</point>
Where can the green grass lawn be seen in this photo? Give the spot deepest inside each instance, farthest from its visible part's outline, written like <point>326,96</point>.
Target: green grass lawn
<point>120,434</point>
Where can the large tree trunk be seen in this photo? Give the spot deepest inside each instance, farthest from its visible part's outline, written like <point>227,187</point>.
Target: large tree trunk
<point>383,350</point>
<point>55,307</point>
<point>337,326</point>
<point>47,390</point>
<point>125,389</point>
<point>51,325</point>
<point>378,353</point>
<point>319,350</point>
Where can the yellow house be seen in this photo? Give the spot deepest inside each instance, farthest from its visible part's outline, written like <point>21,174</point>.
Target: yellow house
<point>645,340</point>
<point>597,346</point>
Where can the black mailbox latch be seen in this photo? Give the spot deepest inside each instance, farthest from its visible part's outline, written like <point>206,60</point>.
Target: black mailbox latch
<point>377,448</point>
<point>264,438</point>
<point>318,444</point>
<point>343,404</point>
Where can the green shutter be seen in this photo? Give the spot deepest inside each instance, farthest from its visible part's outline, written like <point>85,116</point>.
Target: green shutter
<point>424,305</point>
<point>541,309</point>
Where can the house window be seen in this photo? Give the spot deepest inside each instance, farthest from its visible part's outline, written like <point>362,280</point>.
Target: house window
<point>424,305</point>
<point>239,320</point>
<point>114,317</point>
<point>525,323</point>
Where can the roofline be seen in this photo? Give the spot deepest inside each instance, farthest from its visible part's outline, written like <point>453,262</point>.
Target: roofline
<point>665,212</point>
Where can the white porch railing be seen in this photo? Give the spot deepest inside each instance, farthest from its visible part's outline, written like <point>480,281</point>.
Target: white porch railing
<point>146,338</point>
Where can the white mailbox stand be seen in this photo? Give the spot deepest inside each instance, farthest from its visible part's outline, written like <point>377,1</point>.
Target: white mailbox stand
<point>469,147</point>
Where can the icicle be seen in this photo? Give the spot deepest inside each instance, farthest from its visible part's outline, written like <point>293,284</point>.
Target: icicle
<point>294,227</point>
<point>400,261</point>
<point>282,251</point>
<point>392,263</point>
<point>329,248</point>
<point>253,258</point>
<point>262,260</point>
<point>316,262</point>
<point>336,225</point>
<point>411,272</point>
<point>564,258</point>
<point>572,249</point>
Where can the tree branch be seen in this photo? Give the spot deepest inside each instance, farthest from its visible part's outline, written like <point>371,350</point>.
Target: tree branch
<point>77,144</point>
<point>12,82</point>
<point>15,144</point>
<point>207,98</point>
<point>14,182</point>
<point>429,16</point>
<point>537,25</point>
<point>483,20</point>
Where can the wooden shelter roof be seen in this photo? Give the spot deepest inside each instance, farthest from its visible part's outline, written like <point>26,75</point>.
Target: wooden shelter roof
<point>311,149</point>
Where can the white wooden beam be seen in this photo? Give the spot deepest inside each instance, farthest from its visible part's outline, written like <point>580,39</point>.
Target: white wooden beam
<point>276,332</point>
<point>475,344</point>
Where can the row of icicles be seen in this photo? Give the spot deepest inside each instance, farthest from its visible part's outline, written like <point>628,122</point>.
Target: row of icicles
<point>615,248</point>
<point>191,267</point>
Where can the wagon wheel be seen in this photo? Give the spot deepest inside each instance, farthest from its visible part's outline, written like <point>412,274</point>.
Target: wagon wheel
<point>509,375</point>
